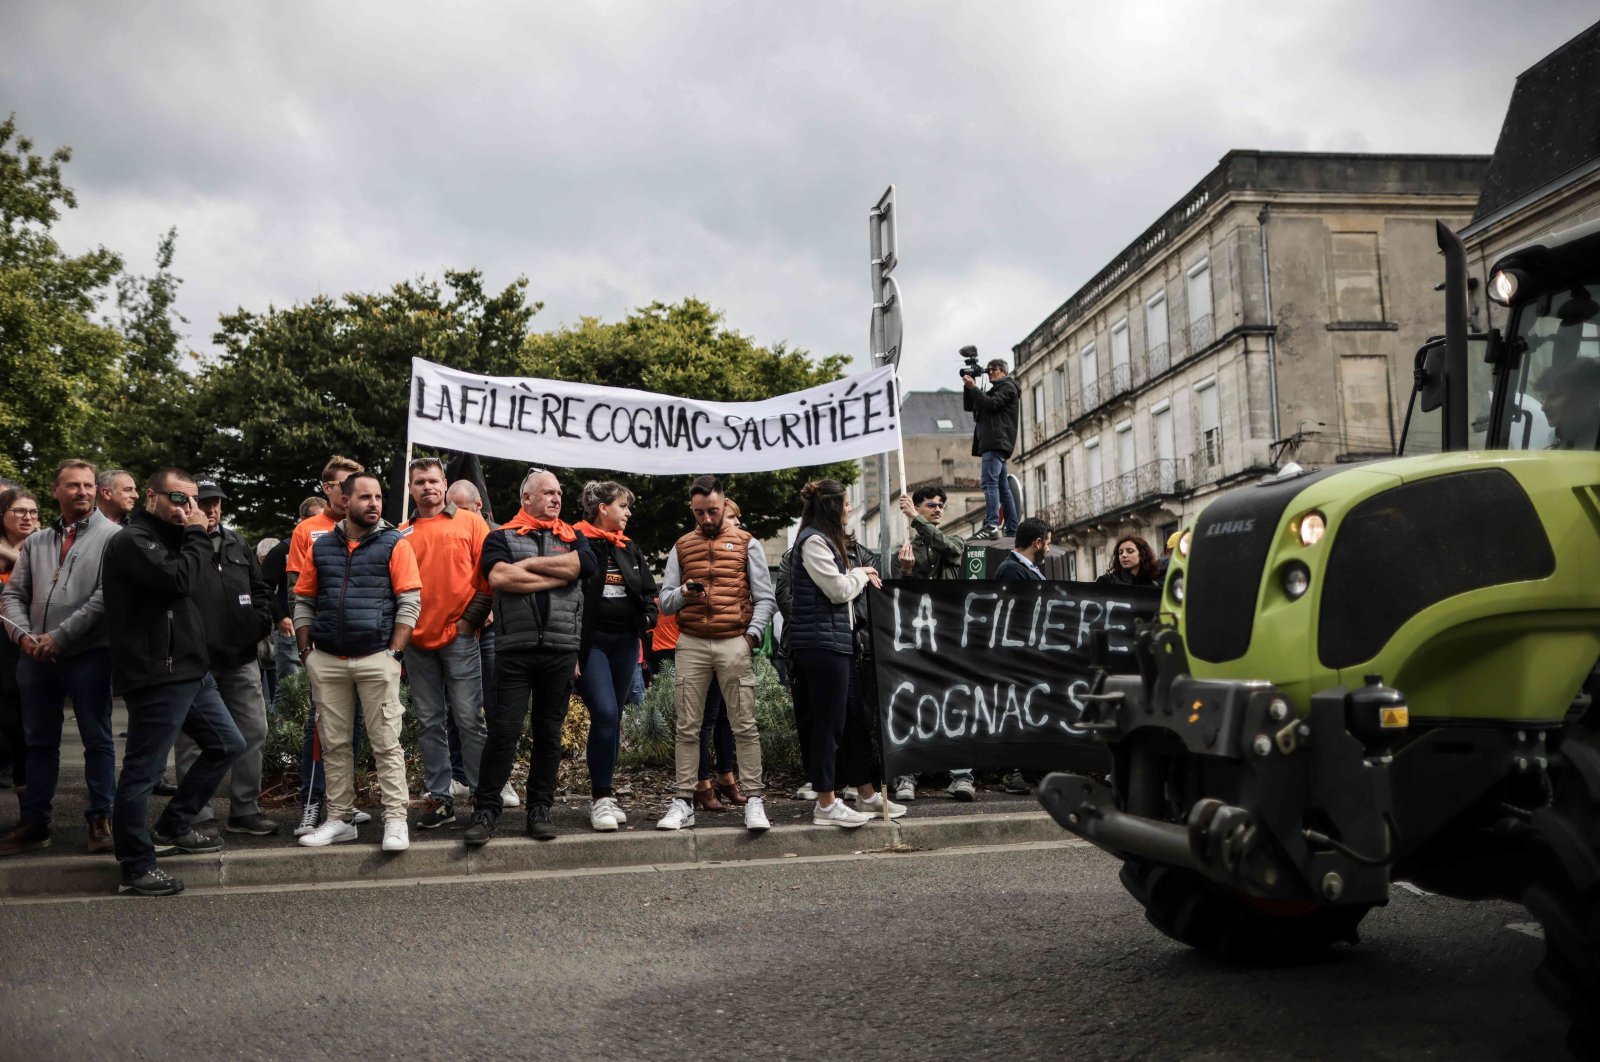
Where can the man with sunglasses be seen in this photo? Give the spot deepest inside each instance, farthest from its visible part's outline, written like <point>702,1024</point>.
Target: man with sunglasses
<point>158,572</point>
<point>931,554</point>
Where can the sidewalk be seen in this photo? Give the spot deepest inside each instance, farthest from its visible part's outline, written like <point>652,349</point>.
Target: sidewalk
<point>933,821</point>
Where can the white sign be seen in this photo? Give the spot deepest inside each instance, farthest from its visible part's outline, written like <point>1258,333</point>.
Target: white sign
<point>572,425</point>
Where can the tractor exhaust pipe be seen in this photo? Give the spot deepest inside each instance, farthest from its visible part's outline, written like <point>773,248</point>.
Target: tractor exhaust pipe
<point>1455,338</point>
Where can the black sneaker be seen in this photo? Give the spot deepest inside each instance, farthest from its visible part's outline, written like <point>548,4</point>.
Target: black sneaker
<point>153,882</point>
<point>189,843</point>
<point>1015,783</point>
<point>481,830</point>
<point>439,813</point>
<point>257,825</point>
<point>540,828</point>
<point>988,534</point>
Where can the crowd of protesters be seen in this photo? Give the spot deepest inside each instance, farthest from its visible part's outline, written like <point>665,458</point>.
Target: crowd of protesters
<point>491,627</point>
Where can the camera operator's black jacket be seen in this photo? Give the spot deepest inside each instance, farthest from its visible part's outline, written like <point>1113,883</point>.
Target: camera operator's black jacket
<point>154,577</point>
<point>994,413</point>
<point>240,613</point>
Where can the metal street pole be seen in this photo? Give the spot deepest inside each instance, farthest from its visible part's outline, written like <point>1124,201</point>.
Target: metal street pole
<point>885,336</point>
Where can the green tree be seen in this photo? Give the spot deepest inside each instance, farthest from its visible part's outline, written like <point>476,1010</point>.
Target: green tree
<point>55,358</point>
<point>146,409</point>
<point>681,349</point>
<point>294,386</point>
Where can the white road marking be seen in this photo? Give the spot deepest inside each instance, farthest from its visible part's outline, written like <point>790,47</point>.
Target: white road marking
<point>1412,889</point>
<point>1532,929</point>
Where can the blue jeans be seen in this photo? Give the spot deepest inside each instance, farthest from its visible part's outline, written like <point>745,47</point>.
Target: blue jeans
<point>999,507</point>
<point>155,718</point>
<point>604,686</point>
<point>447,682</point>
<point>715,730</point>
<point>86,678</point>
<point>285,656</point>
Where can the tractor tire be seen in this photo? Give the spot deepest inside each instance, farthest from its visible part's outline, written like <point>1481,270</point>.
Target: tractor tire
<point>1565,894</point>
<point>1195,911</point>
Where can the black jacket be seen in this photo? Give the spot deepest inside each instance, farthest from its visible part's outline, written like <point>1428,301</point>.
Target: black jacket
<point>241,612</point>
<point>155,575</point>
<point>275,570</point>
<point>994,414</point>
<point>1123,577</point>
<point>1012,570</point>
<point>637,580</point>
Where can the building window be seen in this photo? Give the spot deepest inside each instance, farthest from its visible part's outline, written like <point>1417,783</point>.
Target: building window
<point>1157,355</point>
<point>947,471</point>
<point>1091,455</point>
<point>1121,358</point>
<point>1353,272</point>
<point>1041,488</point>
<point>1208,426</point>
<point>945,424</point>
<point>1200,329</point>
<point>1062,477</point>
<point>1038,408</point>
<point>1060,377</point>
<point>1089,373</point>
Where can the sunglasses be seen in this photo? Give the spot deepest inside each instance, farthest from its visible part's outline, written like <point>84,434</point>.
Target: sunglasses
<point>178,497</point>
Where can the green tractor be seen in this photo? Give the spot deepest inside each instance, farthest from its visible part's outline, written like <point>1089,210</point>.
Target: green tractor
<point>1386,671</point>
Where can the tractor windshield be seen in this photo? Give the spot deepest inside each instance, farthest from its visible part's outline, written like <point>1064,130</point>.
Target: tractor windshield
<point>1554,401</point>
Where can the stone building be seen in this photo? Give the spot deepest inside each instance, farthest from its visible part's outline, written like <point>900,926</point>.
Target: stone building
<point>937,436</point>
<point>1272,314</point>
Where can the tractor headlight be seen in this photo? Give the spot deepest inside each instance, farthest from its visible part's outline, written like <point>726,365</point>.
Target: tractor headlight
<point>1312,528</point>
<point>1296,580</point>
<point>1183,545</point>
<point>1175,587</point>
<point>1503,287</point>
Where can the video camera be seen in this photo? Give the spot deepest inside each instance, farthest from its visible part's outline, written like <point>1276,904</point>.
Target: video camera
<point>970,366</point>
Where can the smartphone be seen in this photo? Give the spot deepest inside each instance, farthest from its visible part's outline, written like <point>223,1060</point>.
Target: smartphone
<point>698,588</point>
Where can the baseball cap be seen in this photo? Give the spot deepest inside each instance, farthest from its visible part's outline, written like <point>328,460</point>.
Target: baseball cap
<point>207,488</point>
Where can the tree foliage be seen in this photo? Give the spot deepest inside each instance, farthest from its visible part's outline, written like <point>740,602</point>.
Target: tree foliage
<point>683,349</point>
<point>54,356</point>
<point>295,386</point>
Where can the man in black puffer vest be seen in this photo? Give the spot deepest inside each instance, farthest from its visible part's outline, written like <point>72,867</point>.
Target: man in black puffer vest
<point>157,569</point>
<point>354,607</point>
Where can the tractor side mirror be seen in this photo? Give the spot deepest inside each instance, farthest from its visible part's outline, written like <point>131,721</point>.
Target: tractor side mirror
<point>1429,372</point>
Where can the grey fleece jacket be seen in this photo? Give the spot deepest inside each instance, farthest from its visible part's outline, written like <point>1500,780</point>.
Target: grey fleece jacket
<point>68,606</point>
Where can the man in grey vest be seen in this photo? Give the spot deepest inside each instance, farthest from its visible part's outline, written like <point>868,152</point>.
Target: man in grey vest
<point>536,565</point>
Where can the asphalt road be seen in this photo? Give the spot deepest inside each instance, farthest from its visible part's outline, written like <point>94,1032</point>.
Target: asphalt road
<point>1008,954</point>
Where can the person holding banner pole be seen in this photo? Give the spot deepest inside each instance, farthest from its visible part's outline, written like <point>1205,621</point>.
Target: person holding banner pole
<point>822,639</point>
<point>716,582</point>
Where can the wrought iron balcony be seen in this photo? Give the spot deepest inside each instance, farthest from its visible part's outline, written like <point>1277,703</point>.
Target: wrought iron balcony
<point>1116,381</point>
<point>1159,360</point>
<point>1150,482</point>
<point>1205,463</point>
<point>1200,333</point>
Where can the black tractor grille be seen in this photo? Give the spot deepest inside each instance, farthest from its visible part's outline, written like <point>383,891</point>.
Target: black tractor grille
<point>1405,549</point>
<point>1227,553</point>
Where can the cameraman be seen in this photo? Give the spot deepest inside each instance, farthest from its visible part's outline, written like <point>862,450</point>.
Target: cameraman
<point>994,437</point>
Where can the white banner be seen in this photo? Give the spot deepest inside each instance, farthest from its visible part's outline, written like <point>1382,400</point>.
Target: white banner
<point>572,425</point>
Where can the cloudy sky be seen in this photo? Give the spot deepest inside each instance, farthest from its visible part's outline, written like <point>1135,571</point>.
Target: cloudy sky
<point>619,153</point>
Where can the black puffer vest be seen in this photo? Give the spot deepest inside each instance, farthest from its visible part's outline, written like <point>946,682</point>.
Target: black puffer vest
<point>517,623</point>
<point>355,598</point>
<point>816,622</point>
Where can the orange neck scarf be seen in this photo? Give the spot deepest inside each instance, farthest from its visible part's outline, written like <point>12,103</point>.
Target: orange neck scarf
<point>555,525</point>
<point>616,538</point>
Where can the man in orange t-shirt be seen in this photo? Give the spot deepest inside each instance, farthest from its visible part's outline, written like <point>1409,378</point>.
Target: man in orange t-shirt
<point>355,606</point>
<point>443,665</point>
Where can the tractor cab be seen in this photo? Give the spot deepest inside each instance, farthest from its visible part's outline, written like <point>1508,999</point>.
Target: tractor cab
<point>1537,385</point>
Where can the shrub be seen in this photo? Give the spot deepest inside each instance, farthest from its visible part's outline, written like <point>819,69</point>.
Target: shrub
<point>649,729</point>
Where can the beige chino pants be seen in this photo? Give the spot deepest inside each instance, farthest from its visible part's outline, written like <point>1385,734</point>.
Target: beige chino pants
<point>695,663</point>
<point>335,682</point>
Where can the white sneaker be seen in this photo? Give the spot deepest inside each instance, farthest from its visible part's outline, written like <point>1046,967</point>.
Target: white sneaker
<point>851,793</point>
<point>679,815</point>
<point>459,790</point>
<point>395,837</point>
<point>617,813</point>
<point>874,805</point>
<point>602,815</point>
<point>361,818</point>
<point>962,789</point>
<point>509,798</point>
<point>805,792</point>
<point>755,815</point>
<point>334,831</point>
<point>905,788</point>
<point>836,814</point>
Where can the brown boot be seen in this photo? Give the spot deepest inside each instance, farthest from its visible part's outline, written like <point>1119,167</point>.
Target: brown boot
<point>99,835</point>
<point>24,837</point>
<point>705,798</point>
<point>728,790</point>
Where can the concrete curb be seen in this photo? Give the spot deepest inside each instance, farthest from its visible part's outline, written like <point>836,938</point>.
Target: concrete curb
<point>81,875</point>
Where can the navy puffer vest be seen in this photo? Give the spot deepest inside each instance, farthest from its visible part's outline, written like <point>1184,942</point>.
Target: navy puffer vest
<point>817,623</point>
<point>355,598</point>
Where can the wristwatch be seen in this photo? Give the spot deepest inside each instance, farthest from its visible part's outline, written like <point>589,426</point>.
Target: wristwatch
<point>395,654</point>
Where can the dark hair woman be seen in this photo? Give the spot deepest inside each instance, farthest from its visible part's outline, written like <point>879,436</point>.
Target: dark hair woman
<point>19,518</point>
<point>1133,563</point>
<point>821,637</point>
<point>619,607</point>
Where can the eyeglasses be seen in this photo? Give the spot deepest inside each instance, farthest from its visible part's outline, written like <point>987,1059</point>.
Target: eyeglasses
<point>178,497</point>
<point>25,514</point>
<point>934,505</point>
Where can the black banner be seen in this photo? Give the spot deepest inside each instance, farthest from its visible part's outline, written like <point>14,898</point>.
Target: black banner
<point>987,674</point>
